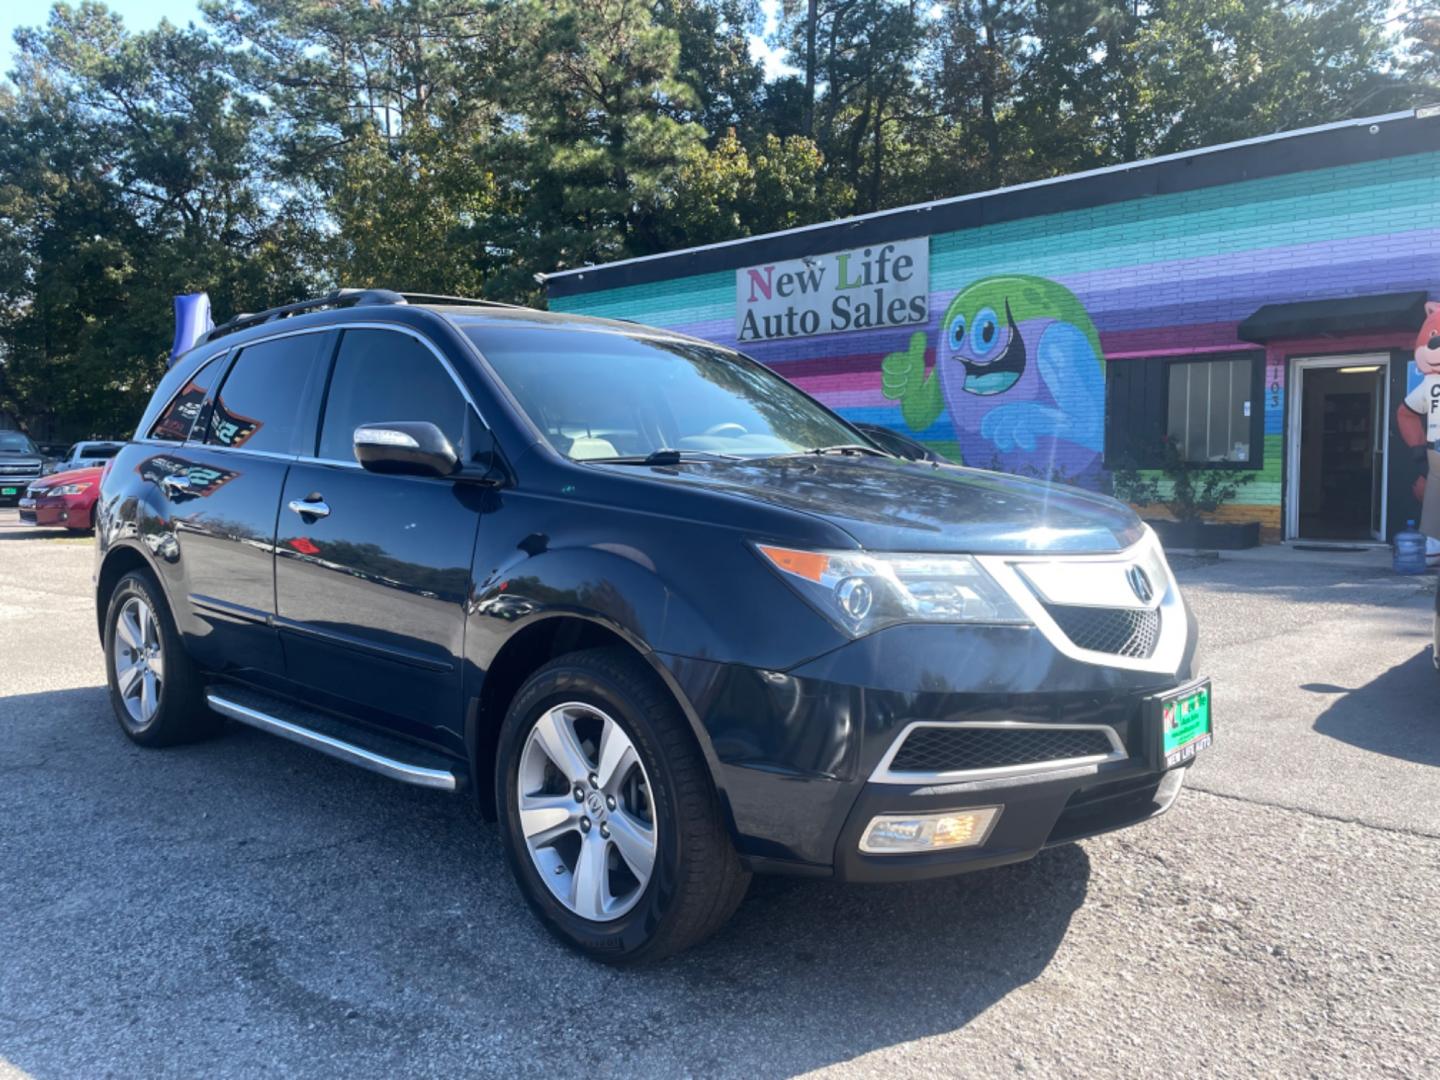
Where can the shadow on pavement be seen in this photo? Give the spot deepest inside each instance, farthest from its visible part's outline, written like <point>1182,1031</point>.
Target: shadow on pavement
<point>352,925</point>
<point>1395,714</point>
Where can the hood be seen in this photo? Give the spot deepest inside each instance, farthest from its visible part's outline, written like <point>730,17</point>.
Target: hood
<point>892,505</point>
<point>72,476</point>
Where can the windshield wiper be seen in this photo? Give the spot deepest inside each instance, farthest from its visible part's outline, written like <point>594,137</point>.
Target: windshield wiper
<point>845,448</point>
<point>667,456</point>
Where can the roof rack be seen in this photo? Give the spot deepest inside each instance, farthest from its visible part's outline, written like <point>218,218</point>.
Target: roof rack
<point>335,298</point>
<point>458,301</point>
<point>343,298</point>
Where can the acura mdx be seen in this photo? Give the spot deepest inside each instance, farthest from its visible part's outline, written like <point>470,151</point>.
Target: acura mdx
<point>670,621</point>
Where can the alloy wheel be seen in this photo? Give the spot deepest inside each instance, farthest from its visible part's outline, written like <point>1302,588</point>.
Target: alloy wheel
<point>139,660</point>
<point>585,810</point>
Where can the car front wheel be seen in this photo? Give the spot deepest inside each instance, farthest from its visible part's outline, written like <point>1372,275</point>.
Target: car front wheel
<point>611,823</point>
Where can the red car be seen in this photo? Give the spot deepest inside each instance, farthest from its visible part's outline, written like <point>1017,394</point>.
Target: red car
<point>63,500</point>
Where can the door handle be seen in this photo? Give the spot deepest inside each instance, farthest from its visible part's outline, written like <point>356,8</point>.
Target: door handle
<point>314,507</point>
<point>174,483</point>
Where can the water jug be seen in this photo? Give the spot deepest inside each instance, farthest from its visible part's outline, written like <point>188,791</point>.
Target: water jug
<point>1409,550</point>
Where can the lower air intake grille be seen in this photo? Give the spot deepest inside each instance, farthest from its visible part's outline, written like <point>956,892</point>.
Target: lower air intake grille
<point>1118,631</point>
<point>937,749</point>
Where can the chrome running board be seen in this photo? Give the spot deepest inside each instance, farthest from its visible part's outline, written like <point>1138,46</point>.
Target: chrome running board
<point>440,779</point>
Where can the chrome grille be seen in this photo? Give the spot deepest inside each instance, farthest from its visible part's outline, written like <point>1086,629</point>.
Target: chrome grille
<point>1132,632</point>
<point>19,469</point>
<point>958,749</point>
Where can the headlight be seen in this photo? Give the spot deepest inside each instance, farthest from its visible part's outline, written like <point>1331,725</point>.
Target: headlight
<point>863,591</point>
<point>70,489</point>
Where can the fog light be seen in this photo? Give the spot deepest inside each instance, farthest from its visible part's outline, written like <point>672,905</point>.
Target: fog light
<point>900,834</point>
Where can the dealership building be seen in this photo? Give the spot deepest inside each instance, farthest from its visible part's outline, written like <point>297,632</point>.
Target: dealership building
<point>1259,303</point>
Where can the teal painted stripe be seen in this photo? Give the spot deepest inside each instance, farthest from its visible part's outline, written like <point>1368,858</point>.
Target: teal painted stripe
<point>692,299</point>
<point>1086,241</point>
<point>1338,185</point>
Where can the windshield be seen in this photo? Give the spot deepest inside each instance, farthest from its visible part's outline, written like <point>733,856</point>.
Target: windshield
<point>98,450</point>
<point>598,395</point>
<point>16,442</point>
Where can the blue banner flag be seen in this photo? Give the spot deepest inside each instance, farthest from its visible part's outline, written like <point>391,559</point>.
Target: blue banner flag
<point>192,322</point>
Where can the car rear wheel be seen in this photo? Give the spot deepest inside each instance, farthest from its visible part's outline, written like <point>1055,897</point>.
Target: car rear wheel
<point>611,823</point>
<point>156,691</point>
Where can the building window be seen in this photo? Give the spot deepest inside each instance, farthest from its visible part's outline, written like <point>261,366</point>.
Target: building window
<point>1211,402</point>
<point>1211,406</point>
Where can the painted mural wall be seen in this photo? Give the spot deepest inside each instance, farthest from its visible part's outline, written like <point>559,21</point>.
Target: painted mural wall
<point>1008,371</point>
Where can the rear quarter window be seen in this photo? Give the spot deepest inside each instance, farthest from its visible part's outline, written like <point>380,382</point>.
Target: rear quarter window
<point>178,417</point>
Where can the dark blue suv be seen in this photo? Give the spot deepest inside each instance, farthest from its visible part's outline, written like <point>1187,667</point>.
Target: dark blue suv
<point>669,619</point>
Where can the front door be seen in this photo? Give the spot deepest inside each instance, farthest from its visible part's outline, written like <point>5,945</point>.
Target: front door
<point>1338,441</point>
<point>373,571</point>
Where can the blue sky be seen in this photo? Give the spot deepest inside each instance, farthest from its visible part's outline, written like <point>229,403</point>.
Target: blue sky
<point>143,14</point>
<point>138,15</point>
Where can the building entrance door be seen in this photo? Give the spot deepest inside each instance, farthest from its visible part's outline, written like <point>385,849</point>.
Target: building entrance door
<point>1338,439</point>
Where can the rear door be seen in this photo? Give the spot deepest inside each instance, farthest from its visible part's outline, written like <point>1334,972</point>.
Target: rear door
<point>222,488</point>
<point>373,571</point>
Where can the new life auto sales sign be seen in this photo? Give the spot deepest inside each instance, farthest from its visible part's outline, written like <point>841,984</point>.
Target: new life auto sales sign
<point>861,289</point>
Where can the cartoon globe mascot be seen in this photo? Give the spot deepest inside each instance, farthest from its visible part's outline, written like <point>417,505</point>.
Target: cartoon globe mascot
<point>1418,419</point>
<point>1020,368</point>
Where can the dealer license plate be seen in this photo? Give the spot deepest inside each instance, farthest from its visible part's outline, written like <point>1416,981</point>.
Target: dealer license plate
<point>9,491</point>
<point>1183,724</point>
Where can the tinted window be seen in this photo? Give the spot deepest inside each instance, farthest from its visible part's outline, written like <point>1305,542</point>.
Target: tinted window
<point>382,375</point>
<point>259,405</point>
<point>599,395</point>
<point>180,415</point>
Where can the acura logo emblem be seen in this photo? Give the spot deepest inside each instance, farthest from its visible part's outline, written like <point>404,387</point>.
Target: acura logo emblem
<point>1140,584</point>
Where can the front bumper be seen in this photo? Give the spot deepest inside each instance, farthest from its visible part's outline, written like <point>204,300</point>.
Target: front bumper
<point>55,513</point>
<point>1039,811</point>
<point>796,752</point>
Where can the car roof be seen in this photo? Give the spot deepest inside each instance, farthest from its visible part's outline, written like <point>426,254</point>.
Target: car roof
<point>461,316</point>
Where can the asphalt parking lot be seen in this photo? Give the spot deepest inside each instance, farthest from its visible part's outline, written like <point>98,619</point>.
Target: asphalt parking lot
<point>246,906</point>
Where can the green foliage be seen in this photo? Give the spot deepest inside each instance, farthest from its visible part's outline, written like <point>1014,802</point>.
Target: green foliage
<point>287,146</point>
<point>730,191</point>
<point>1189,490</point>
<point>129,172</point>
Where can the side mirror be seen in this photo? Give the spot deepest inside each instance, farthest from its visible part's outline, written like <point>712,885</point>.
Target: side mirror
<point>412,447</point>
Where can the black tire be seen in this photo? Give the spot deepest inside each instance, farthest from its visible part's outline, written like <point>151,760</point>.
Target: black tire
<point>697,880</point>
<point>181,715</point>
